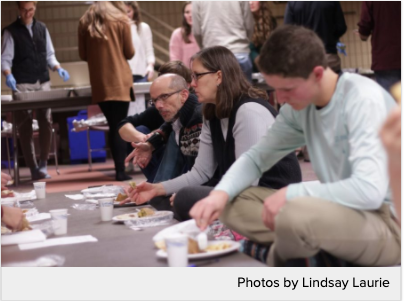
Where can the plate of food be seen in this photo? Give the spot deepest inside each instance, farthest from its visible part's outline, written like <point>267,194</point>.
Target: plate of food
<point>215,248</point>
<point>139,213</point>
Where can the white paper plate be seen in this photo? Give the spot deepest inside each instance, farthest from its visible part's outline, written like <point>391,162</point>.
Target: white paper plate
<point>234,247</point>
<point>190,224</point>
<point>134,216</point>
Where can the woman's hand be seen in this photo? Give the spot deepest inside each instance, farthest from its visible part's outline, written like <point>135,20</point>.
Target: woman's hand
<point>209,209</point>
<point>150,72</point>
<point>145,191</point>
<point>172,199</point>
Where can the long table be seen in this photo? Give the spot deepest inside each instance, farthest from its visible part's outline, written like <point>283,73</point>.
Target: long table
<point>64,102</point>
<point>117,246</point>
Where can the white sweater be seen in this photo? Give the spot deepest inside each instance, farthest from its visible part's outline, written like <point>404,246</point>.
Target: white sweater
<point>143,45</point>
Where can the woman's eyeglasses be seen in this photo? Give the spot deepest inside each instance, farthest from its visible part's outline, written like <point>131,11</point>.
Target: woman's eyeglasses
<point>163,97</point>
<point>197,76</point>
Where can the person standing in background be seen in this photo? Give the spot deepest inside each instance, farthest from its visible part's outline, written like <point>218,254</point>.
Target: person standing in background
<point>382,20</point>
<point>265,23</point>
<point>105,43</point>
<point>225,23</point>
<point>325,18</point>
<point>182,42</point>
<point>26,54</point>
<point>143,62</point>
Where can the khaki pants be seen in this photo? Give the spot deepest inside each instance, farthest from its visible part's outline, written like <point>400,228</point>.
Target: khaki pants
<point>24,123</point>
<point>307,225</point>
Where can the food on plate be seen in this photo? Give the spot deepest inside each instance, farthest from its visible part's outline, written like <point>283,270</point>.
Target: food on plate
<point>25,225</point>
<point>218,247</point>
<point>5,230</point>
<point>145,212</point>
<point>7,193</point>
<point>121,197</point>
<point>396,92</point>
<point>132,184</point>
<point>192,246</point>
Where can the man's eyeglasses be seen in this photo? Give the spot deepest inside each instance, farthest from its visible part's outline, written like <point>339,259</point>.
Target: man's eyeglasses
<point>197,76</point>
<point>163,97</point>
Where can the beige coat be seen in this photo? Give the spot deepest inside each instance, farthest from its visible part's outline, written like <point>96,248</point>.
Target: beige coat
<point>110,74</point>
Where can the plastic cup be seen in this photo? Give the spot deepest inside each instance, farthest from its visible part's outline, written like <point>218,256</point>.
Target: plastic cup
<point>177,249</point>
<point>106,209</point>
<point>59,221</point>
<point>40,189</point>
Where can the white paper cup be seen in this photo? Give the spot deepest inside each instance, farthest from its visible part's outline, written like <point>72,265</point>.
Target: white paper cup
<point>106,209</point>
<point>40,189</point>
<point>59,221</point>
<point>177,249</point>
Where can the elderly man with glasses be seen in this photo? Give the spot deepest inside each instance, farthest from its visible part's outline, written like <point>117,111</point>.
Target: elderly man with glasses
<point>179,133</point>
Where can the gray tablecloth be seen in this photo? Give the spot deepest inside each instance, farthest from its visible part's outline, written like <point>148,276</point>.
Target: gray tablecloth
<point>117,246</point>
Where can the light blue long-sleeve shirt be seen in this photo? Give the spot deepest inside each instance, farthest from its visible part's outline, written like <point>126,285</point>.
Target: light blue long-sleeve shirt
<point>7,50</point>
<point>343,143</point>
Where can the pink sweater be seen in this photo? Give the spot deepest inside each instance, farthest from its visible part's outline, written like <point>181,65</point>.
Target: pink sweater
<point>181,51</point>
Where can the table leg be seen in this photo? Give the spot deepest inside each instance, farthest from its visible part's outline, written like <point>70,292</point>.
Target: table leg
<point>15,146</point>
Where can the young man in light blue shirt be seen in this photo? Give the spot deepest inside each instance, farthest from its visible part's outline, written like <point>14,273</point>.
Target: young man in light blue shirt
<point>346,214</point>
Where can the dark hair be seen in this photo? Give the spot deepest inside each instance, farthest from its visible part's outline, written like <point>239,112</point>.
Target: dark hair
<point>292,51</point>
<point>137,12</point>
<point>18,3</point>
<point>265,23</point>
<point>233,85</point>
<point>176,67</point>
<point>185,27</point>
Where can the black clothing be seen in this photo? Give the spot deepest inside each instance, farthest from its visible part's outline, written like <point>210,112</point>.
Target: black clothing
<point>149,118</point>
<point>29,62</point>
<point>324,17</point>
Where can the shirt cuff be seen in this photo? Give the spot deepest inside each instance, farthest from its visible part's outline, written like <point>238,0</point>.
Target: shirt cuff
<point>292,191</point>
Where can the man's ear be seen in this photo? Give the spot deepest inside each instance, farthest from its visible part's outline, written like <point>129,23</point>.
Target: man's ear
<point>219,77</point>
<point>184,95</point>
<point>318,72</point>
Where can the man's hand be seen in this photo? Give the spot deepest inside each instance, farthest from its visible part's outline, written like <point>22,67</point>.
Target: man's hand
<point>141,155</point>
<point>4,180</point>
<point>209,209</point>
<point>171,200</point>
<point>11,82</point>
<point>12,217</point>
<point>144,192</point>
<point>63,74</point>
<point>272,206</point>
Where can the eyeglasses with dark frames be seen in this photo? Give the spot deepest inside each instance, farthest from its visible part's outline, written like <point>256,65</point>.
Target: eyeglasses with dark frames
<point>163,97</point>
<point>197,76</point>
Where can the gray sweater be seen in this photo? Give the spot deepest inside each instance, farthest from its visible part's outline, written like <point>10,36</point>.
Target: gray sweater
<point>223,23</point>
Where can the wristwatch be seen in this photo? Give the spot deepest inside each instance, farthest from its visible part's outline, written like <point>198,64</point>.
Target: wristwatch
<point>156,140</point>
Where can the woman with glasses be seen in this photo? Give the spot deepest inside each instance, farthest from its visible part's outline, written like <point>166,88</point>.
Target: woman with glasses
<point>182,42</point>
<point>105,44</point>
<point>236,115</point>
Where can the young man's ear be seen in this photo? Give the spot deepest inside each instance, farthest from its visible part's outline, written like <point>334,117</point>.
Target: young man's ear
<point>318,72</point>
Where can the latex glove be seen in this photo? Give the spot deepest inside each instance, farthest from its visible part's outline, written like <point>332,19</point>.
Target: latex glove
<point>63,74</point>
<point>11,82</point>
<point>150,72</point>
<point>341,48</point>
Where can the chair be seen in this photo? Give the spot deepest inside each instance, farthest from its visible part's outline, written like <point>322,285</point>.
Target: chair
<point>7,135</point>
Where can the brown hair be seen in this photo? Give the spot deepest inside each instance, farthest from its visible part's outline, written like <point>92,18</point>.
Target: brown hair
<point>233,86</point>
<point>95,17</point>
<point>18,3</point>
<point>185,27</point>
<point>176,67</point>
<point>137,12</point>
<point>292,51</point>
<point>265,23</point>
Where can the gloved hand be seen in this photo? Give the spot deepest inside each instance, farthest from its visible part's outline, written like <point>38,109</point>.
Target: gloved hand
<point>63,74</point>
<point>11,82</point>
<point>341,48</point>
